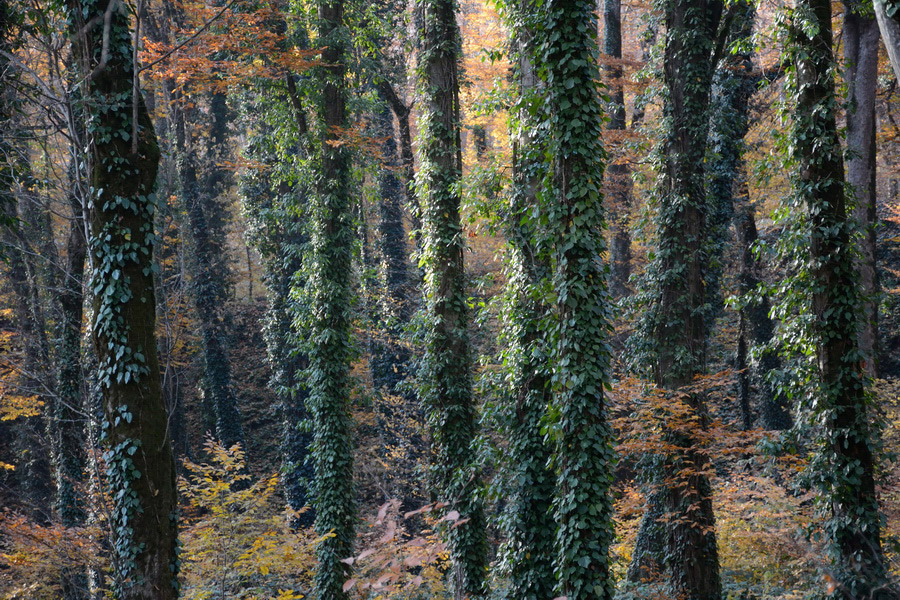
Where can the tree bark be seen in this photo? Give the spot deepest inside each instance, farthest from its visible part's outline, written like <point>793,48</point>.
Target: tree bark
<point>446,372</point>
<point>618,173</point>
<point>531,526</point>
<point>890,33</point>
<point>329,354</point>
<point>854,526</point>
<point>680,319</point>
<point>861,63</point>
<point>140,467</point>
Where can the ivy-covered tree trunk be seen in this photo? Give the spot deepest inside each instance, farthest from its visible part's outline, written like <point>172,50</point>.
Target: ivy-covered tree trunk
<point>272,206</point>
<point>390,368</point>
<point>531,528</point>
<point>580,353</point>
<point>124,158</point>
<point>675,326</point>
<point>446,376</point>
<point>618,173</point>
<point>329,350</point>
<point>199,190</point>
<point>861,58</point>
<point>848,448</point>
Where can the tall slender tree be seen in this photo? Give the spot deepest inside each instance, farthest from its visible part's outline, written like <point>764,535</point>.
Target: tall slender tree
<point>531,527</point>
<point>838,398</point>
<point>580,352</point>
<point>329,353</point>
<point>618,173</point>
<point>861,74</point>
<point>729,195</point>
<point>446,372</point>
<point>674,328</point>
<point>124,157</point>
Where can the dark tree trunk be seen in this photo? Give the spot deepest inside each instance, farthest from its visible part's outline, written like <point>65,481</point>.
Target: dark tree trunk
<point>861,58</point>
<point>211,274</point>
<point>279,237</point>
<point>124,158</point>
<point>679,319</point>
<point>407,164</point>
<point>757,326</point>
<point>329,354</point>
<point>33,468</point>
<point>618,173</point>
<point>649,555</point>
<point>854,526</point>
<point>70,408</point>
<point>390,367</point>
<point>396,408</point>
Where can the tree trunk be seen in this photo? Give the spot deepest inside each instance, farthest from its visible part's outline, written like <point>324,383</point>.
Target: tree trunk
<point>841,405</point>
<point>396,408</point>
<point>531,528</point>
<point>329,354</point>
<point>618,173</point>
<point>581,356</point>
<point>70,407</point>
<point>446,371</point>
<point>861,58</point>
<point>678,321</point>
<point>140,468</point>
<point>890,33</point>
<point>759,328</point>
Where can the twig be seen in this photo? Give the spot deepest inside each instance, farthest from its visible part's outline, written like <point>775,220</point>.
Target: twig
<point>184,43</point>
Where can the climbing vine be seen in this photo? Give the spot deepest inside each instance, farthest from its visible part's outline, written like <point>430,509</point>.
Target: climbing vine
<point>529,550</point>
<point>445,375</point>
<point>124,157</point>
<point>572,212</point>
<point>332,245</point>
<point>818,309</point>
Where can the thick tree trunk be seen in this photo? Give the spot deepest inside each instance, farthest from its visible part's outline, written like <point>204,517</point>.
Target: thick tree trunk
<point>854,526</point>
<point>581,354</point>
<point>679,322</point>
<point>446,372</point>
<point>861,58</point>
<point>140,468</point>
<point>531,527</point>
